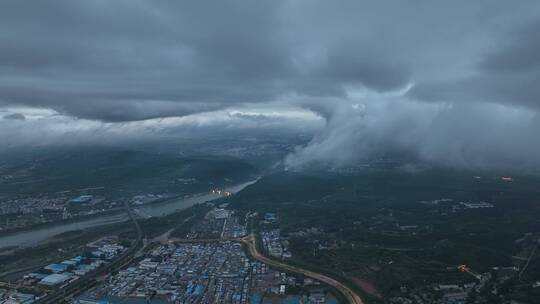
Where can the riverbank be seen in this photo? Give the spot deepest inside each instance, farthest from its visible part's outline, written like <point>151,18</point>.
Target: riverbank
<point>35,236</point>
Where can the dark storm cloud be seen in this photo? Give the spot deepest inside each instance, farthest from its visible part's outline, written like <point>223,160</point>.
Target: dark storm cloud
<point>110,55</point>
<point>508,73</point>
<point>519,51</point>
<point>440,61</point>
<point>131,60</point>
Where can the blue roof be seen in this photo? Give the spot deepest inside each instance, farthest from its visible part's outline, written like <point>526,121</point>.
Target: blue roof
<point>82,199</point>
<point>292,300</point>
<point>270,216</point>
<point>56,267</point>
<point>255,299</point>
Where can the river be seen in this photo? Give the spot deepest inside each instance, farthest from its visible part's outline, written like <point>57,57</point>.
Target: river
<point>36,236</point>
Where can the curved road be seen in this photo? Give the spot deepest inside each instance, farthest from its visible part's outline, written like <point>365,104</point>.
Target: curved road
<point>351,296</point>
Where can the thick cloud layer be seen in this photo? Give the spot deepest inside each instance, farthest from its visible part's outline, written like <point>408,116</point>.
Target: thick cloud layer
<point>462,135</point>
<point>30,127</point>
<point>458,65</point>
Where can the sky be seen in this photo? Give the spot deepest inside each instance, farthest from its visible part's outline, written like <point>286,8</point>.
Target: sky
<point>454,82</point>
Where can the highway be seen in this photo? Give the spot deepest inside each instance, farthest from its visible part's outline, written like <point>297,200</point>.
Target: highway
<point>351,296</point>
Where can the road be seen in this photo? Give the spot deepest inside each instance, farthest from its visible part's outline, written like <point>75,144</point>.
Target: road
<point>351,296</point>
<point>89,281</point>
<point>529,259</point>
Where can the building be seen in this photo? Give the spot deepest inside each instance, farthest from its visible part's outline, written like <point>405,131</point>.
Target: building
<point>82,199</point>
<point>270,217</point>
<point>56,268</point>
<point>55,279</point>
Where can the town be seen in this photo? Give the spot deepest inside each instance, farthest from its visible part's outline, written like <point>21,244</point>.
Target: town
<point>210,265</point>
<point>50,278</point>
<point>218,272</point>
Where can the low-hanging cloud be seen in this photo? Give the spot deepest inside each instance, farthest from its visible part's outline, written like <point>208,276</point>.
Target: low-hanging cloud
<point>464,135</point>
<point>27,127</point>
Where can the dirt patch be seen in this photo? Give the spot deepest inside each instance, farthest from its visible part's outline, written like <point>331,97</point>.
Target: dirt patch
<point>367,286</point>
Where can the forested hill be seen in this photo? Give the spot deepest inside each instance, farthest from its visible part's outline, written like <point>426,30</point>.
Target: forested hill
<point>121,171</point>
